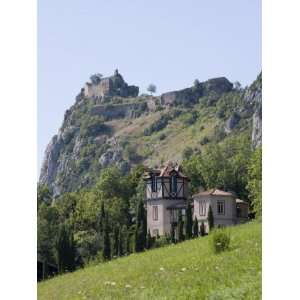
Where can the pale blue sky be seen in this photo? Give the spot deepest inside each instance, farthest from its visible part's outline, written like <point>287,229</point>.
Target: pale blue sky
<point>169,43</point>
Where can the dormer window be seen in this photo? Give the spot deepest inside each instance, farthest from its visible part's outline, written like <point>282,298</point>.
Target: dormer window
<point>153,184</point>
<point>173,185</point>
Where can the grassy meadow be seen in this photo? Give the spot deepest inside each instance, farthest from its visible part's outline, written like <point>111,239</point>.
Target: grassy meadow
<point>189,270</point>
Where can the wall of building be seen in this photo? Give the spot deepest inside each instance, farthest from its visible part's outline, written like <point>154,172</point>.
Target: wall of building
<point>163,224</point>
<point>229,218</point>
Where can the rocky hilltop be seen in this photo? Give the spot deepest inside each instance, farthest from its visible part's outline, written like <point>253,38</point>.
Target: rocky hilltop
<point>110,123</point>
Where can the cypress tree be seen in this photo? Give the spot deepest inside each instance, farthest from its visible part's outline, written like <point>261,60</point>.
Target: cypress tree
<point>210,218</point>
<point>202,229</point>
<point>65,249</point>
<point>173,240</point>
<point>148,240</point>
<point>127,243</point>
<point>116,241</point>
<point>121,242</point>
<point>106,253</point>
<point>101,218</point>
<point>195,228</point>
<point>141,227</point>
<point>189,222</point>
<point>180,227</point>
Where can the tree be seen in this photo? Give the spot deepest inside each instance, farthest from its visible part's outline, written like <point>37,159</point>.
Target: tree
<point>101,218</point>
<point>116,241</point>
<point>43,195</point>
<point>173,239</point>
<point>254,185</point>
<point>195,228</point>
<point>47,229</point>
<point>106,253</point>
<point>196,83</point>
<point>96,78</point>
<point>180,227</point>
<point>65,249</point>
<point>149,240</point>
<point>202,229</point>
<point>189,222</point>
<point>237,85</point>
<point>141,227</point>
<point>121,242</point>
<point>210,218</point>
<point>151,88</point>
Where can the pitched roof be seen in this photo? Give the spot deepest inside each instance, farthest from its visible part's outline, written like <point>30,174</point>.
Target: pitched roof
<point>213,192</point>
<point>166,171</point>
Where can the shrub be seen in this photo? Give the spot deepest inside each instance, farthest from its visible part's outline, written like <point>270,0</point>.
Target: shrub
<point>220,240</point>
<point>162,136</point>
<point>162,241</point>
<point>187,153</point>
<point>204,141</point>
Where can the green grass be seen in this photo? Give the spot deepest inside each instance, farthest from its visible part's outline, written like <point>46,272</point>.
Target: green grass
<point>188,270</point>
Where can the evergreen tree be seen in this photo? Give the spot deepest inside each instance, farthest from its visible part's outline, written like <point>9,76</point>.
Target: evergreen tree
<point>65,249</point>
<point>195,228</point>
<point>173,239</point>
<point>121,242</point>
<point>180,227</point>
<point>116,241</point>
<point>127,243</point>
<point>141,227</point>
<point>202,229</point>
<point>210,218</point>
<point>101,219</point>
<point>189,222</point>
<point>106,241</point>
<point>148,240</point>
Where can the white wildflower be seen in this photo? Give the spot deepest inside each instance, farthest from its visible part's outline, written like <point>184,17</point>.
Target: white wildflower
<point>128,286</point>
<point>183,269</point>
<point>162,269</point>
<point>113,283</point>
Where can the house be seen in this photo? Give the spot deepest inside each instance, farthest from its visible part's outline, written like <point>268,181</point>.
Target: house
<point>167,194</point>
<point>227,210</point>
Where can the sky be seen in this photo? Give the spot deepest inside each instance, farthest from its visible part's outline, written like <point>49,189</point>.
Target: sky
<point>169,43</point>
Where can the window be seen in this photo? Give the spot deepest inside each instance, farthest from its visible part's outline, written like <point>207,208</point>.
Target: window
<point>174,215</point>
<point>155,213</point>
<point>153,184</point>
<point>173,185</point>
<point>221,207</point>
<point>202,208</point>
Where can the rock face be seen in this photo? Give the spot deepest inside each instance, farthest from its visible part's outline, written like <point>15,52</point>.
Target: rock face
<point>87,142</point>
<point>232,122</point>
<point>253,97</point>
<point>129,110</point>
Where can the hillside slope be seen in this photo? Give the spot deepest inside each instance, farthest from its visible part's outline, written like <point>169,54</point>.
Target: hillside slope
<point>99,131</point>
<point>189,270</point>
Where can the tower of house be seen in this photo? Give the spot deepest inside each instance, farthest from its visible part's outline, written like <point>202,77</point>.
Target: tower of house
<point>166,195</point>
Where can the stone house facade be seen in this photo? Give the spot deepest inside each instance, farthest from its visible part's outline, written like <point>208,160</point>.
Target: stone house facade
<point>227,210</point>
<point>167,194</point>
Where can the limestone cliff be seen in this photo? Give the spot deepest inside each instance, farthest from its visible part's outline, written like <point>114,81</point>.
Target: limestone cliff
<point>112,125</point>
